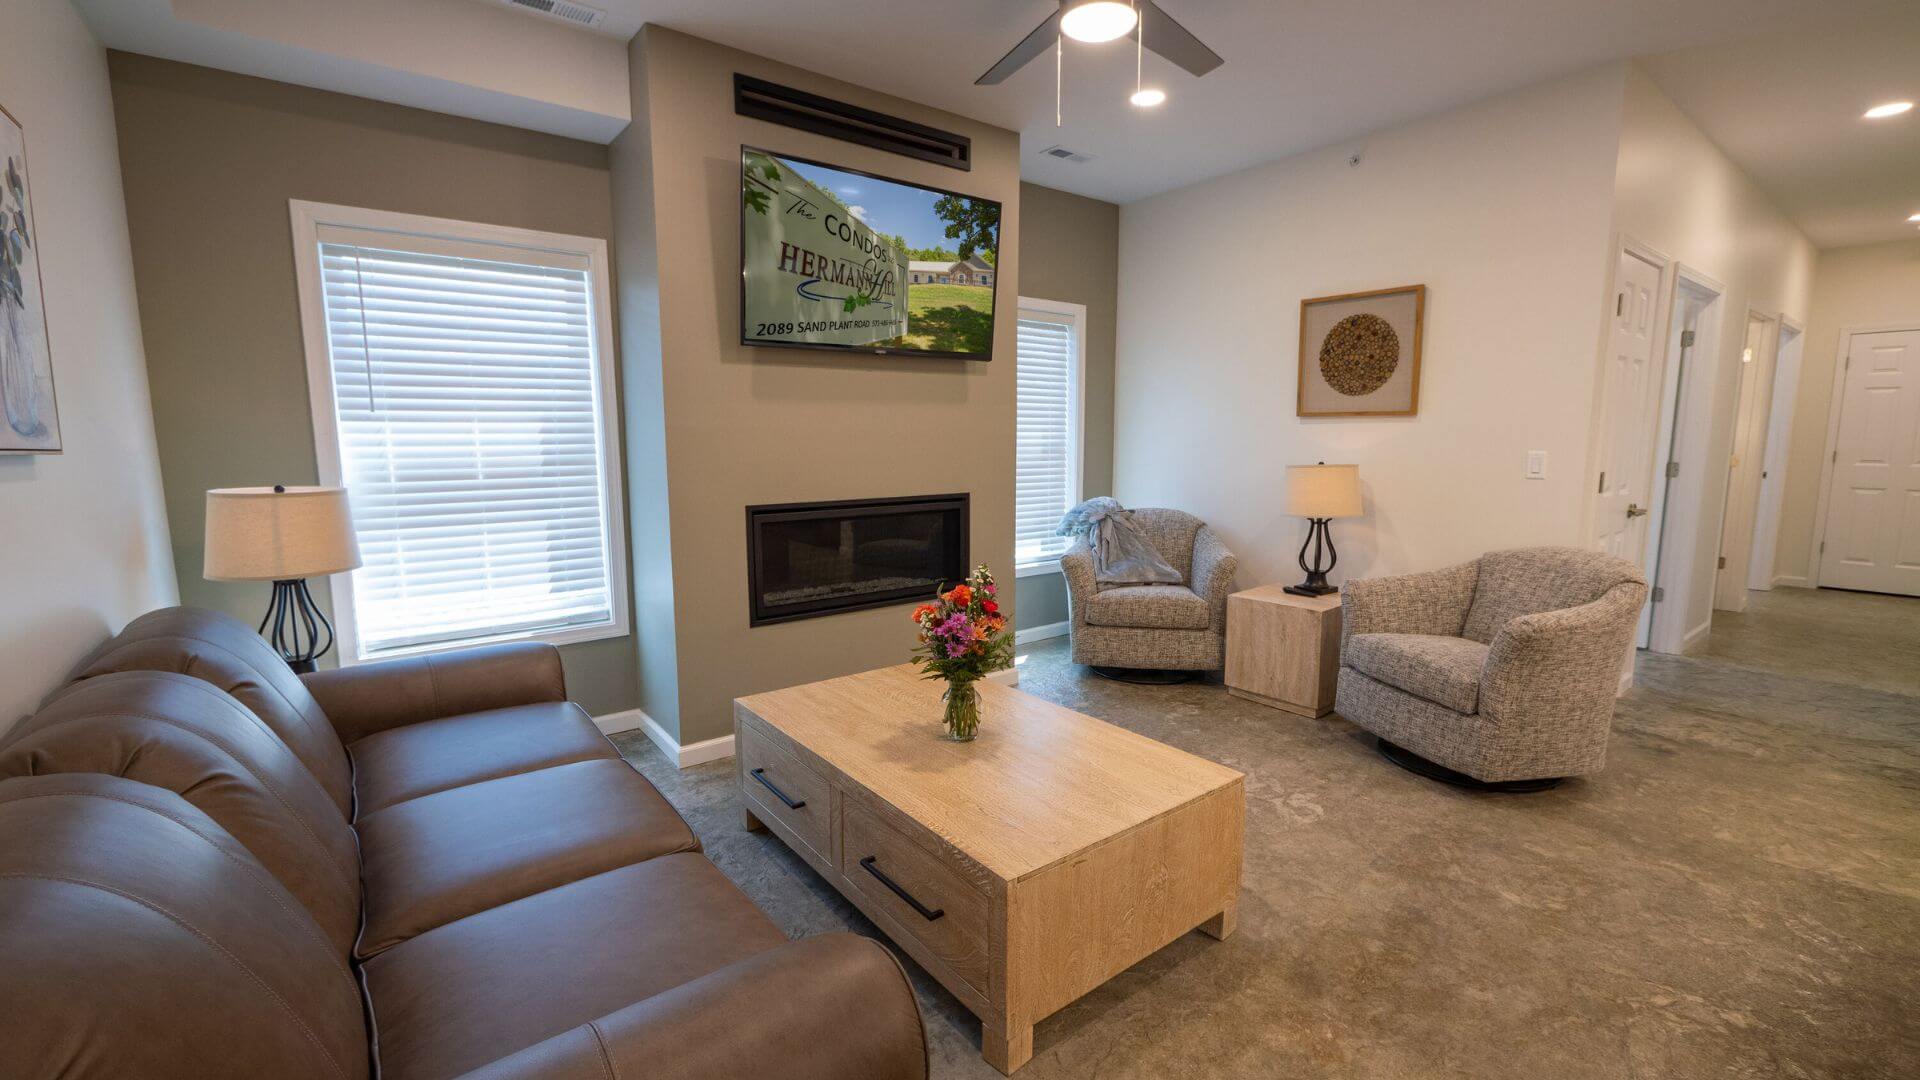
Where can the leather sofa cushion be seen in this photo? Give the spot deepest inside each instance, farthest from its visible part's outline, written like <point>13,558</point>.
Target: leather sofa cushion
<point>1443,670</point>
<point>441,857</point>
<point>461,995</point>
<point>178,733</point>
<point>419,759</point>
<point>1160,607</point>
<point>140,940</point>
<point>226,652</point>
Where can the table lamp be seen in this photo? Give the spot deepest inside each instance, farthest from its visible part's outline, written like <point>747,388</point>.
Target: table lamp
<point>1321,493</point>
<point>283,535</point>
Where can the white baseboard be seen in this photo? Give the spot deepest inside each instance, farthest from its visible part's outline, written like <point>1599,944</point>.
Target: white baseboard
<point>691,754</point>
<point>1041,633</point>
<point>1693,637</point>
<point>1792,581</point>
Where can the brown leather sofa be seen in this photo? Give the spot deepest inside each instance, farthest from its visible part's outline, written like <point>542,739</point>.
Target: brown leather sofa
<point>418,869</point>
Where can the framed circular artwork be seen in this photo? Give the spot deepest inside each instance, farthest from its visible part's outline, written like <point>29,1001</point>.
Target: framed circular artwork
<point>1360,353</point>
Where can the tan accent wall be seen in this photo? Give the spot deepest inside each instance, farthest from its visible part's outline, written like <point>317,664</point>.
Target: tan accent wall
<point>209,161</point>
<point>742,425</point>
<point>1070,250</point>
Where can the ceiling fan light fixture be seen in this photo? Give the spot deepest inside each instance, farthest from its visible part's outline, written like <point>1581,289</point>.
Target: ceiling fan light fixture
<point>1094,21</point>
<point>1147,97</point>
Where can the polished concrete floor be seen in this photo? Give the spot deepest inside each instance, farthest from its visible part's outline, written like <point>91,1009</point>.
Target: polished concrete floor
<point>1736,895</point>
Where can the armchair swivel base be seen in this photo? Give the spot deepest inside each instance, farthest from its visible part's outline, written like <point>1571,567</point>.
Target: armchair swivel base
<point>1433,770</point>
<point>1145,676</point>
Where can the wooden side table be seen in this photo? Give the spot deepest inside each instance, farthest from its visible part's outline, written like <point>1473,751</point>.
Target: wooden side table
<point>1283,650</point>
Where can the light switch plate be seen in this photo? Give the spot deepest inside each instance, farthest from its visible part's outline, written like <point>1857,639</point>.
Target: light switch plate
<point>1536,464</point>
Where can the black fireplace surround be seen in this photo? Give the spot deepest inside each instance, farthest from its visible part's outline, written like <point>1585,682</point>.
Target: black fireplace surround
<point>808,559</point>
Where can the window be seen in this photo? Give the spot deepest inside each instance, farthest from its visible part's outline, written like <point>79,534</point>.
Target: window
<point>1051,358</point>
<point>462,387</point>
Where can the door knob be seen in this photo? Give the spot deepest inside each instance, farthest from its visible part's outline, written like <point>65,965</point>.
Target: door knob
<point>1634,511</point>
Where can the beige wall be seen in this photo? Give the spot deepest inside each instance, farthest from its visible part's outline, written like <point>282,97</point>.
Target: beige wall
<point>1870,285</point>
<point>1677,192</point>
<point>210,160</point>
<point>1070,250</point>
<point>756,425</point>
<point>83,534</point>
<point>1501,209</point>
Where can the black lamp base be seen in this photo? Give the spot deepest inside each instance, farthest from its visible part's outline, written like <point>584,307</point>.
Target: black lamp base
<point>298,626</point>
<point>1321,541</point>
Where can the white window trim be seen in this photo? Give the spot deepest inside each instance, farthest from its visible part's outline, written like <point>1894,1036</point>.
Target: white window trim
<point>307,217</point>
<point>1076,413</point>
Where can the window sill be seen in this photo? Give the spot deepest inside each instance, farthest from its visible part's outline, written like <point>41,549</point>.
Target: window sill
<point>617,629</point>
<point>1035,569</point>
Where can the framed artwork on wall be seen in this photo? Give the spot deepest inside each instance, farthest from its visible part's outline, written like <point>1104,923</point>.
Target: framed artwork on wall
<point>1360,353</point>
<point>31,421</point>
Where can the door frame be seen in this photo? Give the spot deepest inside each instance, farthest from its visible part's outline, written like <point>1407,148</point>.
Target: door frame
<point>1837,393</point>
<point>1744,495</point>
<point>1789,351</point>
<point>1681,434</point>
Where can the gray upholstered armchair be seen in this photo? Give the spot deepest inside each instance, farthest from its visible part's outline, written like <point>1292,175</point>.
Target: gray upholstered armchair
<point>1499,672</point>
<point>1156,627</point>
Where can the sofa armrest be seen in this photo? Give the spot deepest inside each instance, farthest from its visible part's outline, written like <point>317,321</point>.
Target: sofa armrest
<point>1434,602</point>
<point>1213,570</point>
<point>1564,665</point>
<point>822,1008</point>
<point>369,698</point>
<point>1077,567</point>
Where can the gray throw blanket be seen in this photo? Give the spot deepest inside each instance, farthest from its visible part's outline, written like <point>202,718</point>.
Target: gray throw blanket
<point>1122,554</point>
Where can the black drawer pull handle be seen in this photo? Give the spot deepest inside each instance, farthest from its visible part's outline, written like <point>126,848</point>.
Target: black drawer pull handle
<point>781,795</point>
<point>867,865</point>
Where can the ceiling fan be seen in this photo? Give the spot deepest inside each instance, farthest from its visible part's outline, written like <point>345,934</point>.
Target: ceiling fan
<point>1107,20</point>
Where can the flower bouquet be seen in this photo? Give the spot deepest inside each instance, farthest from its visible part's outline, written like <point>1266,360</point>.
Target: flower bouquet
<point>963,638</point>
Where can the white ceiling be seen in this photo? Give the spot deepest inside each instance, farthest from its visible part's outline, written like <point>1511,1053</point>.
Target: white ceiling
<point>1787,109</point>
<point>1779,83</point>
<point>1299,74</point>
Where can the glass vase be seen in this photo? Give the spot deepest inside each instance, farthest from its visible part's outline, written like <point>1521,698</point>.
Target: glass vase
<point>962,717</point>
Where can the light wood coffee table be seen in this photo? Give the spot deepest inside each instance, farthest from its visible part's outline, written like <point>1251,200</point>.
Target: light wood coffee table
<point>1022,869</point>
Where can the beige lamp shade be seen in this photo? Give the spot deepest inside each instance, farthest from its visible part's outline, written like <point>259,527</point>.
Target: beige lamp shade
<point>278,534</point>
<point>1323,491</point>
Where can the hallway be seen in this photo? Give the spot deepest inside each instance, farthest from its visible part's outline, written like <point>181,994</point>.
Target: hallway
<point>1868,640</point>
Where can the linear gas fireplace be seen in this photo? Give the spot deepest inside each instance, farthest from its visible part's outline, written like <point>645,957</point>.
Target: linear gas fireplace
<point>807,559</point>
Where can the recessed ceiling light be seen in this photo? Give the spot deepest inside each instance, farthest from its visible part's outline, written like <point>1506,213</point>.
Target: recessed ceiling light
<point>1878,112</point>
<point>1915,217</point>
<point>1097,20</point>
<point>1149,97</point>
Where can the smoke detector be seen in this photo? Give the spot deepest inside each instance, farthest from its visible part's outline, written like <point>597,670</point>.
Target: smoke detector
<point>1065,154</point>
<point>566,11</point>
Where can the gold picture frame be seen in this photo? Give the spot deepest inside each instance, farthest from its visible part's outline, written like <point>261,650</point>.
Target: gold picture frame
<point>1360,353</point>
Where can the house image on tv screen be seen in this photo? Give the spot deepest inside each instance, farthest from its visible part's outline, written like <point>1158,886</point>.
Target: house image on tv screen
<point>974,271</point>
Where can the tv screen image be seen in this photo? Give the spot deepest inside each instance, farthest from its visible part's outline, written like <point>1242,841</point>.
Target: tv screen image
<point>833,258</point>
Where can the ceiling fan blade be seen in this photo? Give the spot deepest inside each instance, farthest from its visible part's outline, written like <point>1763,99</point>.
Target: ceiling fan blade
<point>1173,41</point>
<point>1020,55</point>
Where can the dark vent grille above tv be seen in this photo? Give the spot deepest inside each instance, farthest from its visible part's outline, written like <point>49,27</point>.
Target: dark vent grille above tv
<point>792,108</point>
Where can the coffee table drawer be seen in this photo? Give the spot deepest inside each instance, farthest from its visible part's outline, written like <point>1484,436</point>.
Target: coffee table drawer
<point>924,896</point>
<point>787,791</point>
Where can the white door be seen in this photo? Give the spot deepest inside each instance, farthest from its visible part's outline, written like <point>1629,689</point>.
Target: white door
<point>1743,466</point>
<point>1872,537</point>
<point>1627,413</point>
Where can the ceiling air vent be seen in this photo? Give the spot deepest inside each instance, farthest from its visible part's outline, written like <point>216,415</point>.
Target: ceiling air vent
<point>1065,154</point>
<point>564,10</point>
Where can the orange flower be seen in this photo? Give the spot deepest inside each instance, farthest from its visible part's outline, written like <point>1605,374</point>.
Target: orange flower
<point>922,612</point>
<point>960,595</point>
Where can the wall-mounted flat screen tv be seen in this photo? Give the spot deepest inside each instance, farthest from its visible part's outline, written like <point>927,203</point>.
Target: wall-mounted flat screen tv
<point>831,258</point>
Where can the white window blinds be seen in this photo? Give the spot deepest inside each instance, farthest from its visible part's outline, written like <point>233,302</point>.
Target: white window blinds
<point>467,394</point>
<point>1047,464</point>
